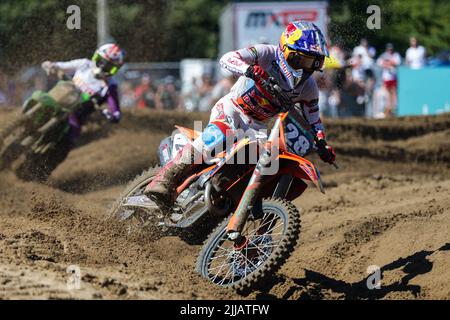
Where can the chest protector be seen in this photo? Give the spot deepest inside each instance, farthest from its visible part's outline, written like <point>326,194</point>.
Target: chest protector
<point>259,104</point>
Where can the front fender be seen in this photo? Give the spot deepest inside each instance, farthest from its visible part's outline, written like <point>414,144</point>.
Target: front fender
<point>307,169</point>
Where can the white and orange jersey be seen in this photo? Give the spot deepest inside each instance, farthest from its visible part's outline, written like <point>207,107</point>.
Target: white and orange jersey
<point>250,98</point>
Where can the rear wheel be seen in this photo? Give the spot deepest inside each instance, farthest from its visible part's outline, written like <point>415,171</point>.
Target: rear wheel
<point>270,237</point>
<point>137,220</point>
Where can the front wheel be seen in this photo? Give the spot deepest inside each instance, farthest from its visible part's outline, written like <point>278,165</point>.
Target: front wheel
<point>271,236</point>
<point>10,138</point>
<point>38,166</point>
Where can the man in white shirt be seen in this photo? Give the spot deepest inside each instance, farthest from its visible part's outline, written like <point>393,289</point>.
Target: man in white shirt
<point>366,52</point>
<point>415,55</point>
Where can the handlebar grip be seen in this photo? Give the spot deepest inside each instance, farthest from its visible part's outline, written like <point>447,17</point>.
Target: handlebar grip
<point>61,75</point>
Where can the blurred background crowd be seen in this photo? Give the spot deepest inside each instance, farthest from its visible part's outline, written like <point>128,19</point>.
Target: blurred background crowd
<point>358,82</point>
<point>178,70</point>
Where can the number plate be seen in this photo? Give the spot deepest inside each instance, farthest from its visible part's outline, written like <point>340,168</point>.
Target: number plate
<point>298,140</point>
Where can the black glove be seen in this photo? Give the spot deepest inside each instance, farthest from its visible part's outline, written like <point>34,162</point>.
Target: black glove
<point>325,151</point>
<point>111,116</point>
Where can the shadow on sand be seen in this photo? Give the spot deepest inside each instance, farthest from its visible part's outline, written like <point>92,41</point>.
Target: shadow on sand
<point>315,284</point>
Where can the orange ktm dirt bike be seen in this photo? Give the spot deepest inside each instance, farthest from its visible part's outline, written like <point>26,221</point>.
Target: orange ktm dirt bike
<point>262,225</point>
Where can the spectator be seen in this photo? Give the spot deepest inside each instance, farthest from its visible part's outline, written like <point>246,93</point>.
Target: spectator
<point>324,84</point>
<point>338,54</point>
<point>366,52</point>
<point>205,93</point>
<point>334,100</point>
<point>190,96</point>
<point>3,99</point>
<point>222,87</point>
<point>3,86</point>
<point>167,97</point>
<point>415,55</point>
<point>145,93</point>
<point>353,95</point>
<point>370,83</point>
<point>379,101</point>
<point>127,99</point>
<point>358,71</point>
<point>389,61</point>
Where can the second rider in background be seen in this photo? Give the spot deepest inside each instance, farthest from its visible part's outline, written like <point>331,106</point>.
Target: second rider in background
<point>94,79</point>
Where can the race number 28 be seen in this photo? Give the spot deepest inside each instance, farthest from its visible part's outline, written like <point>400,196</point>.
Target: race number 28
<point>299,143</point>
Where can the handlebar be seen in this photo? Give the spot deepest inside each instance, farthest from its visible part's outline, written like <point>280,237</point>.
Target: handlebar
<point>271,86</point>
<point>56,71</point>
<point>286,103</point>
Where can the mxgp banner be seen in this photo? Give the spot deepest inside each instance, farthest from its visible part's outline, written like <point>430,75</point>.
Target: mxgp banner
<point>264,22</point>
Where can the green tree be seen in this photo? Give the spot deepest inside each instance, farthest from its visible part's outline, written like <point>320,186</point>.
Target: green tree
<point>35,30</point>
<point>192,28</point>
<point>31,31</point>
<point>400,19</point>
<point>169,30</point>
<point>138,26</point>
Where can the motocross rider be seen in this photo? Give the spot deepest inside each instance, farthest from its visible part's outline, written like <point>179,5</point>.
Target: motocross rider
<point>94,79</point>
<point>301,51</point>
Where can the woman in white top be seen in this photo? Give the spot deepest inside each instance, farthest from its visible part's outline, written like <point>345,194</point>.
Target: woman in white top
<point>415,55</point>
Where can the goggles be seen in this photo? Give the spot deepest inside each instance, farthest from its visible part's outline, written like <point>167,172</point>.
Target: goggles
<point>300,61</point>
<point>105,65</point>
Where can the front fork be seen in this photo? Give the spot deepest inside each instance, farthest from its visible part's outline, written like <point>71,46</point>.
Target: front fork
<point>245,206</point>
<point>250,196</point>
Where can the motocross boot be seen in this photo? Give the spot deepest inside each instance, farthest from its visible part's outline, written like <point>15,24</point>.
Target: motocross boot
<point>162,188</point>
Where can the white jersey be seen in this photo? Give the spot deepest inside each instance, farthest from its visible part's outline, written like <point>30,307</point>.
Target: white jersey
<point>415,57</point>
<point>247,96</point>
<point>83,76</point>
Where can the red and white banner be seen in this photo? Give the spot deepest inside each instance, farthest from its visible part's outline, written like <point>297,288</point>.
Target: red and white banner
<point>264,22</point>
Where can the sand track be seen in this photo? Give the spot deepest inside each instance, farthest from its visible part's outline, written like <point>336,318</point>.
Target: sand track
<point>388,205</point>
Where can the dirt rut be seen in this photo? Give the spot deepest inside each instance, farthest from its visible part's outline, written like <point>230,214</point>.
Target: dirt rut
<point>387,206</point>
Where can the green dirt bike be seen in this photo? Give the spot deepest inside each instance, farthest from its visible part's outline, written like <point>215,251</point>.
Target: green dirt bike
<point>37,139</point>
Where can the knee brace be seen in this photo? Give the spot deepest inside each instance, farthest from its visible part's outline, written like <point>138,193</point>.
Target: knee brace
<point>212,136</point>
